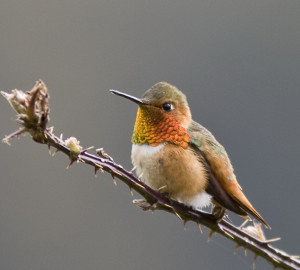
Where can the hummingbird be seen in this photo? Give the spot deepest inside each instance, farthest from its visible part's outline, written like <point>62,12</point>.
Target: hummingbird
<point>179,157</point>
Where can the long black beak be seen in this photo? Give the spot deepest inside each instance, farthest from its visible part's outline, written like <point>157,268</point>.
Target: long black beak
<point>132,98</point>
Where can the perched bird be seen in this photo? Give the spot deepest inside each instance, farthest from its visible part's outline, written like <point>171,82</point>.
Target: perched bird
<point>176,155</point>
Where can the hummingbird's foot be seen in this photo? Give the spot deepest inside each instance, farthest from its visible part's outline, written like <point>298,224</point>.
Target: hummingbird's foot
<point>133,169</point>
<point>144,205</point>
<point>161,190</point>
<point>218,212</point>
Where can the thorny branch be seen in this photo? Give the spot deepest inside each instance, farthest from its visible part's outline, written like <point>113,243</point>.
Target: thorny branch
<point>33,114</point>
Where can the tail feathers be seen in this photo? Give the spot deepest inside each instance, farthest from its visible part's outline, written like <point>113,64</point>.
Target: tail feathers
<point>247,207</point>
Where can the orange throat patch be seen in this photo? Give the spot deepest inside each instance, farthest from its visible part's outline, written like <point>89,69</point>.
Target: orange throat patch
<point>152,127</point>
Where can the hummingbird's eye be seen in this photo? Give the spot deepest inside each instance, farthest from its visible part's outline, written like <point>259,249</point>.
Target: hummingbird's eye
<point>167,107</point>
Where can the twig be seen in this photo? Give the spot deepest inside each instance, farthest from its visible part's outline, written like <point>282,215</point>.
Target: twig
<point>32,114</point>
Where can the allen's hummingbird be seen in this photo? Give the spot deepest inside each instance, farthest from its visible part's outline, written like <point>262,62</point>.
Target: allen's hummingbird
<point>174,154</point>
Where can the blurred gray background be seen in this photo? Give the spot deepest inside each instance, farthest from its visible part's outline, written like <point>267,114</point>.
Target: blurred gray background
<point>238,63</point>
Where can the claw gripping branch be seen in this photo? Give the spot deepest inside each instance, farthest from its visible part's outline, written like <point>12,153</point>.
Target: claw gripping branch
<point>33,114</point>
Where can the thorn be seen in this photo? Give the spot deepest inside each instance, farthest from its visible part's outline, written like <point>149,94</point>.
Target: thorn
<point>184,224</point>
<point>199,227</point>
<point>87,149</point>
<point>167,205</point>
<point>133,169</point>
<point>236,248</point>
<point>99,167</point>
<point>177,214</point>
<point>55,152</point>
<point>131,192</point>
<point>51,129</point>
<point>225,232</point>
<point>61,136</point>
<point>113,177</point>
<point>96,171</point>
<point>272,240</point>
<point>80,160</point>
<point>227,217</point>
<point>116,172</point>
<point>245,250</point>
<point>244,223</point>
<point>254,261</point>
<point>71,163</point>
<point>49,149</point>
<point>159,189</point>
<point>228,234</point>
<point>139,185</point>
<point>141,175</point>
<point>210,235</point>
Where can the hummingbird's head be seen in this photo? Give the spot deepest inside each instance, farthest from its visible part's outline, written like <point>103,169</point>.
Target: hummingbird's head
<point>163,116</point>
<point>165,99</point>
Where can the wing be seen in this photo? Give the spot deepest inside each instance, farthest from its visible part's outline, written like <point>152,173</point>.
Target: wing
<point>223,185</point>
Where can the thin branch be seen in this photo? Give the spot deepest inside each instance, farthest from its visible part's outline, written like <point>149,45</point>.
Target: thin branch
<point>32,114</point>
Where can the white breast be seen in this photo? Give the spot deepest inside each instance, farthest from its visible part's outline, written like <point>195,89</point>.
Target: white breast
<point>140,157</point>
<point>141,151</point>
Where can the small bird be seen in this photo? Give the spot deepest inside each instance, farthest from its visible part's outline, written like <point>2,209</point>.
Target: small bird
<point>176,155</point>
